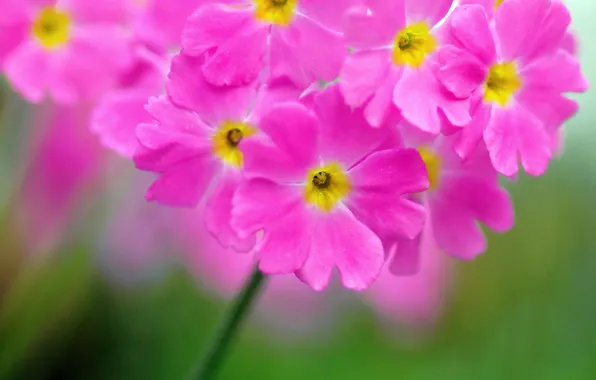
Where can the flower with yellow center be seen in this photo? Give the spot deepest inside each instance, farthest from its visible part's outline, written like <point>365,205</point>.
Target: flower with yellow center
<point>326,186</point>
<point>226,140</point>
<point>278,12</point>
<point>52,28</point>
<point>413,44</point>
<point>502,83</point>
<point>433,165</point>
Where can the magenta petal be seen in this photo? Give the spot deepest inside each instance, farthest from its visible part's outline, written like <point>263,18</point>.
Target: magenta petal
<point>487,5</point>
<point>306,52</point>
<point>285,244</point>
<point>294,129</point>
<point>395,171</point>
<point>330,14</point>
<point>562,70</point>
<point>471,134</point>
<point>420,96</point>
<point>188,88</point>
<point>212,25</point>
<point>263,159</point>
<point>552,108</point>
<point>362,74</point>
<point>344,134</point>
<point>380,108</point>
<point>218,212</point>
<point>375,29</point>
<point>431,11</point>
<point>470,28</point>
<point>115,119</point>
<point>460,72</point>
<point>516,25</point>
<point>27,69</point>
<point>514,131</point>
<point>406,260</point>
<point>183,183</point>
<point>340,240</point>
<point>552,30</point>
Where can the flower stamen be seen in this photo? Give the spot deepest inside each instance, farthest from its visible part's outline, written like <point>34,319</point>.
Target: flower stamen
<point>279,12</point>
<point>52,28</point>
<point>413,44</point>
<point>326,186</point>
<point>502,83</point>
<point>226,140</point>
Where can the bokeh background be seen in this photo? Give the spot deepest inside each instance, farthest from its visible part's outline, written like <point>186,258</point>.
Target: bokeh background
<point>96,284</point>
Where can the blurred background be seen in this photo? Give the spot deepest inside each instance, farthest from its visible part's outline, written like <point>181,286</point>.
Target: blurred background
<point>97,284</point>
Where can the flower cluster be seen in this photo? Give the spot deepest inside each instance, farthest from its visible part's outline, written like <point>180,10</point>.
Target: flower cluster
<point>317,134</point>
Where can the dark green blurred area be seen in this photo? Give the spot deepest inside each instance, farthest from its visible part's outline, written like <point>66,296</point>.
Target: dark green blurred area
<point>524,310</point>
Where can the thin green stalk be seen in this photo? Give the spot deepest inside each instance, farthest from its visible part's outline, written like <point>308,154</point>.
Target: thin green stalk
<point>230,327</point>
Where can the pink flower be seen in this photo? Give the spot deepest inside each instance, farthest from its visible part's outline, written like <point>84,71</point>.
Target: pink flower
<point>418,299</point>
<point>71,49</point>
<point>193,145</point>
<point>394,63</point>
<point>461,194</point>
<point>296,38</point>
<point>517,76</point>
<point>318,190</point>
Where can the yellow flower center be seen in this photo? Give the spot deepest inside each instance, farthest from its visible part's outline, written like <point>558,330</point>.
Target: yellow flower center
<point>413,44</point>
<point>226,140</point>
<point>498,3</point>
<point>52,28</point>
<point>278,12</point>
<point>433,165</point>
<point>326,186</point>
<point>502,83</point>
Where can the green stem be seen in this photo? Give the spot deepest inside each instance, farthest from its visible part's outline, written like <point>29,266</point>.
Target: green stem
<point>230,326</point>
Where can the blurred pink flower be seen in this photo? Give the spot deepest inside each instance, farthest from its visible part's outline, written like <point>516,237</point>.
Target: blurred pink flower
<point>417,299</point>
<point>71,49</point>
<point>65,166</point>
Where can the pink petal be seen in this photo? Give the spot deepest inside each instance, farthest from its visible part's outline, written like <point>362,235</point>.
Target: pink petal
<point>420,96</point>
<point>380,109</point>
<point>218,212</point>
<point>460,72</point>
<point>84,11</point>
<point>13,35</point>
<point>487,5</point>
<point>294,129</point>
<point>27,71</point>
<point>552,30</point>
<point>378,186</point>
<point>188,88</point>
<point>374,29</point>
<point>184,182</point>
<point>406,260</point>
<point>562,70</point>
<point>552,108</point>
<point>431,11</point>
<point>344,134</point>
<point>516,24</point>
<point>330,14</point>
<point>514,131</point>
<point>286,241</point>
<point>115,119</point>
<point>469,26</point>
<point>236,43</point>
<point>471,134</point>
<point>362,75</point>
<point>264,159</point>
<point>340,240</point>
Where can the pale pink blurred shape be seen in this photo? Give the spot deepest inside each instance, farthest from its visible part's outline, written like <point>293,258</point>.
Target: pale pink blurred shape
<point>417,299</point>
<point>64,169</point>
<point>285,303</point>
<point>81,68</point>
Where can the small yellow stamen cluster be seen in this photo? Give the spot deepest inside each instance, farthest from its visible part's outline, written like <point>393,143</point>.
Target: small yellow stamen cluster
<point>502,83</point>
<point>433,166</point>
<point>278,12</point>
<point>52,28</point>
<point>413,44</point>
<point>326,186</point>
<point>498,3</point>
<point>226,140</point>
